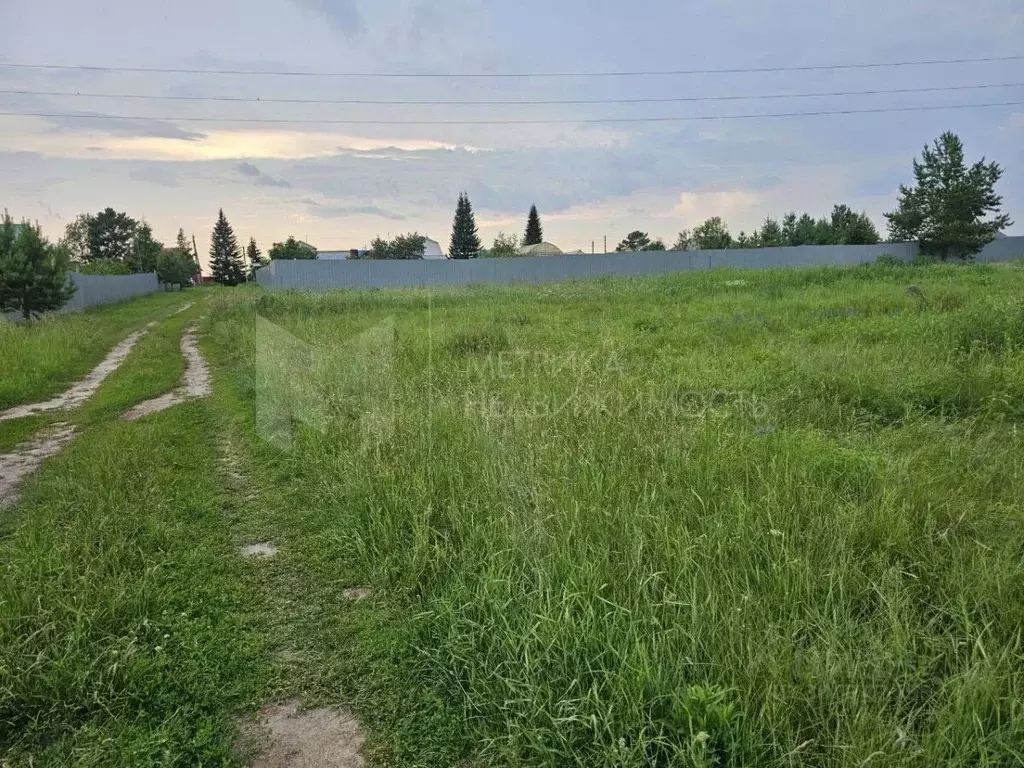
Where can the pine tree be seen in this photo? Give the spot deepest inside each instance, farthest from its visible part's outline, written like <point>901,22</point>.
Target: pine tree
<point>33,274</point>
<point>465,243</point>
<point>225,258</point>
<point>944,209</point>
<point>534,232</point>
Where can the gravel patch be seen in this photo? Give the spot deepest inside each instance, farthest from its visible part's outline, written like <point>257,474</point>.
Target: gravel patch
<point>260,549</point>
<point>314,738</point>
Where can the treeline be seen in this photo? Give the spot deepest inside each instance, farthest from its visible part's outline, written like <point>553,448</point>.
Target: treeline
<point>465,240</point>
<point>113,243</point>
<point>843,227</point>
<point>231,265</point>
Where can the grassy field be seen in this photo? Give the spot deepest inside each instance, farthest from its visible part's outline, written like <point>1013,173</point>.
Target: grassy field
<point>733,518</point>
<point>44,358</point>
<point>736,518</point>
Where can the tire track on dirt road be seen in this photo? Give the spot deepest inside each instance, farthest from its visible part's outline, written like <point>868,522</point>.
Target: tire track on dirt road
<point>26,457</point>
<point>194,384</point>
<point>84,389</point>
<point>284,733</point>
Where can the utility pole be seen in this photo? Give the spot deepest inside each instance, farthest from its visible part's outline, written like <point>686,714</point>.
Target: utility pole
<point>195,255</point>
<point>606,243</point>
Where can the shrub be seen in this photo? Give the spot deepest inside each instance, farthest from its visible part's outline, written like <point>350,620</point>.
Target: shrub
<point>173,266</point>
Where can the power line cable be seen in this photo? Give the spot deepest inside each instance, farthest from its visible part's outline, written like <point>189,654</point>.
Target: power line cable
<point>688,118</point>
<point>488,75</point>
<point>528,102</point>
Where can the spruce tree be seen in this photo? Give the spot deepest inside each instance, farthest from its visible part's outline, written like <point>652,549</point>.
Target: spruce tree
<point>534,233</point>
<point>465,243</point>
<point>253,254</point>
<point>33,274</point>
<point>225,258</point>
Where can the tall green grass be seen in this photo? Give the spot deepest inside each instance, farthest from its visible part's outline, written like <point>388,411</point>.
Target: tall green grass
<point>739,518</point>
<point>124,631</point>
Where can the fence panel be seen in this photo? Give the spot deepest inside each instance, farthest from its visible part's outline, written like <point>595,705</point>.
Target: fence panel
<point>370,273</point>
<point>106,289</point>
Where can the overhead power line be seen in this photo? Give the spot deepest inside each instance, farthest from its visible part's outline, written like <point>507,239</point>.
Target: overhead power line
<point>513,102</point>
<point>683,119</point>
<point>488,75</point>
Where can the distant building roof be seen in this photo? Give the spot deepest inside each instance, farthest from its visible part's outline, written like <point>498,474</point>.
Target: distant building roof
<point>539,249</point>
<point>432,249</point>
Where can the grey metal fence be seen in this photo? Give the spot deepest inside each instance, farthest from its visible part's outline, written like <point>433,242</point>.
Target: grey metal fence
<point>370,273</point>
<point>102,289</point>
<point>1003,249</point>
<point>106,289</point>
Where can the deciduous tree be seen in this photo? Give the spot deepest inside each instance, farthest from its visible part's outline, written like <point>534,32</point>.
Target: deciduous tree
<point>145,249</point>
<point>292,249</point>
<point>76,238</point>
<point>851,228</point>
<point>505,246</point>
<point>712,234</point>
<point>684,242</point>
<point>403,247</point>
<point>175,266</point>
<point>634,241</point>
<point>111,234</point>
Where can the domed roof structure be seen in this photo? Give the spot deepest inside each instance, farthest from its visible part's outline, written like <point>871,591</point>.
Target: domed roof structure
<point>539,249</point>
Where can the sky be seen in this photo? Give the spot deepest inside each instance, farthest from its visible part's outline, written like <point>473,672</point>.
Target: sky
<point>175,160</point>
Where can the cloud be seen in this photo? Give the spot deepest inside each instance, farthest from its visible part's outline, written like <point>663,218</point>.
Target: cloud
<point>341,211</point>
<point>155,174</point>
<point>248,169</point>
<point>100,123</point>
<point>259,178</point>
<point>342,15</point>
